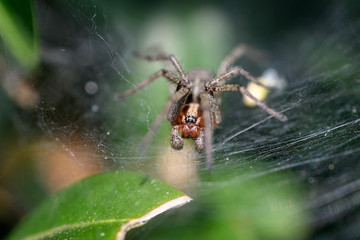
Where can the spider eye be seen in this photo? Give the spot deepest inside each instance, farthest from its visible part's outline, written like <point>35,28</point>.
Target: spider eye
<point>190,119</point>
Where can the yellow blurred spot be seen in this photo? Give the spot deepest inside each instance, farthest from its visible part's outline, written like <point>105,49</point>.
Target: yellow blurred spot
<point>258,91</point>
<point>269,78</point>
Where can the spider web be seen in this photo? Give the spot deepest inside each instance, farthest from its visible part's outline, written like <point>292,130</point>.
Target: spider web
<point>88,62</point>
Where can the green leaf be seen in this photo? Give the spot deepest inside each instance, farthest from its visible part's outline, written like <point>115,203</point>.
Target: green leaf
<point>19,32</point>
<point>231,207</point>
<point>104,206</point>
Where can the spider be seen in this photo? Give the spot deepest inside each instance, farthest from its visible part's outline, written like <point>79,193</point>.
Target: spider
<point>193,109</point>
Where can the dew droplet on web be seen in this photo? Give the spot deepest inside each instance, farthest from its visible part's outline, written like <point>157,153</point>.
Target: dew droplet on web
<point>94,108</point>
<point>354,109</point>
<point>91,87</point>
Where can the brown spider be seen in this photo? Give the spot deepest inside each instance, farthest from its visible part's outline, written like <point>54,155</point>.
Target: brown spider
<point>193,109</point>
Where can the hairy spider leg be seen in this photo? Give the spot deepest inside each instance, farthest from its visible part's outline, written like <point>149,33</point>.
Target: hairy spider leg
<point>238,52</point>
<point>233,72</point>
<point>163,57</point>
<point>214,110</point>
<point>156,124</point>
<point>238,88</point>
<point>207,133</point>
<point>162,73</point>
<point>176,141</point>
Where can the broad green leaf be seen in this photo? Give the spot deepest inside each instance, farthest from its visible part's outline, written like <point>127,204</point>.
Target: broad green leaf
<point>19,32</point>
<point>233,208</point>
<point>104,206</point>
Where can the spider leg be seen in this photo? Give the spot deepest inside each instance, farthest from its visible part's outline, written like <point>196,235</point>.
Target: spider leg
<point>156,124</point>
<point>214,111</point>
<point>172,115</point>
<point>207,133</point>
<point>238,52</point>
<point>176,141</point>
<point>162,73</point>
<point>238,88</point>
<point>163,57</point>
<point>233,72</point>
<point>200,141</point>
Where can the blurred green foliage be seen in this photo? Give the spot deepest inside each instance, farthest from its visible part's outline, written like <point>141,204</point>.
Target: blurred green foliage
<point>230,208</point>
<point>18,29</point>
<point>96,207</point>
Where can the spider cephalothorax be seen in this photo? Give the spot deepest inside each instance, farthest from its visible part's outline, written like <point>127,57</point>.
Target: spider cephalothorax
<point>191,120</point>
<point>193,109</point>
<point>189,124</point>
